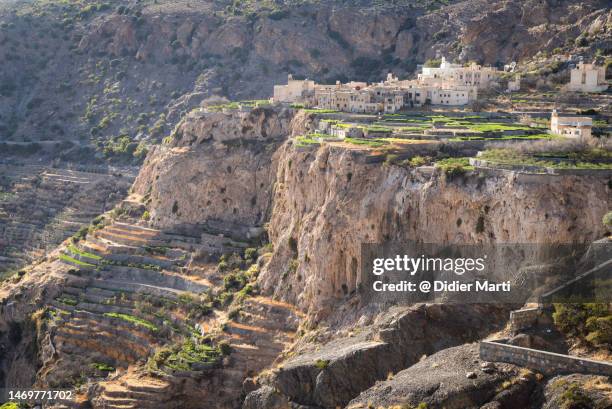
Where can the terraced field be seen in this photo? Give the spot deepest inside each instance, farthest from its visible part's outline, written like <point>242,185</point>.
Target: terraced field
<point>141,316</point>
<point>40,207</point>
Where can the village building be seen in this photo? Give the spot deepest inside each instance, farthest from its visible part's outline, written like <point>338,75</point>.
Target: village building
<point>346,131</point>
<point>450,84</point>
<point>571,126</point>
<point>587,78</point>
<point>514,84</point>
<point>294,91</point>
<point>459,75</point>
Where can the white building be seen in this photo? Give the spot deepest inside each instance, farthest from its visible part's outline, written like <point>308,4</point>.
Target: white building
<point>587,78</point>
<point>571,126</point>
<point>514,84</point>
<point>456,74</point>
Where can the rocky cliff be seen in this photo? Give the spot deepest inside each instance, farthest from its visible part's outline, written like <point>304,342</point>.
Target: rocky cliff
<point>218,170</point>
<point>321,203</point>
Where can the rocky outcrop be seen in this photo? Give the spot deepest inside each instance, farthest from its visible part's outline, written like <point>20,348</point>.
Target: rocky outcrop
<point>331,375</point>
<point>224,165</point>
<point>226,178</point>
<point>578,391</point>
<point>453,378</point>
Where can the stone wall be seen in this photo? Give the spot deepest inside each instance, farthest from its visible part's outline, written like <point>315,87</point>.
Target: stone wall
<point>480,163</point>
<point>525,318</point>
<point>547,363</point>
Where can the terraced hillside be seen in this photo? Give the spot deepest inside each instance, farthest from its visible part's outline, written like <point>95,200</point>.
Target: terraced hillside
<point>41,206</point>
<point>139,313</point>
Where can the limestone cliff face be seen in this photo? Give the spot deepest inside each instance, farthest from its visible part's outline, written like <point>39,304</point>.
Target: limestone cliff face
<point>218,169</point>
<point>320,203</point>
<point>328,201</point>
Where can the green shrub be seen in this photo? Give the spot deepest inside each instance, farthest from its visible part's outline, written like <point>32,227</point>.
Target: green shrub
<point>591,322</point>
<point>250,254</point>
<point>575,398</point>
<point>391,159</point>
<point>600,330</point>
<point>455,166</point>
<point>417,161</point>
<point>103,367</point>
<point>225,348</point>
<point>321,363</point>
<point>582,41</point>
<point>236,280</point>
<point>433,63</point>
<point>81,234</point>
<point>293,245</point>
<point>182,356</point>
<point>607,220</point>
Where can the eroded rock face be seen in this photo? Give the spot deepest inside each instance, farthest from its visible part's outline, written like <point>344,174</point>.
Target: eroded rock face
<point>332,375</point>
<point>219,169</point>
<point>328,202</point>
<point>21,330</point>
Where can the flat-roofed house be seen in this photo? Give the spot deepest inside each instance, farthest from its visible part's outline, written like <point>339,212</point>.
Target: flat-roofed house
<point>449,74</point>
<point>295,91</point>
<point>588,78</point>
<point>571,126</point>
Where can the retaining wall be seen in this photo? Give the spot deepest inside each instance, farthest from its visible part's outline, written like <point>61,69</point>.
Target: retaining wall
<point>480,163</point>
<point>520,319</point>
<point>548,363</point>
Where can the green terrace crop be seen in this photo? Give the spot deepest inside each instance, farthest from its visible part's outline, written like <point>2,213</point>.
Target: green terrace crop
<point>238,104</point>
<point>132,319</point>
<point>374,143</point>
<point>74,250</point>
<point>504,137</point>
<point>67,258</point>
<point>305,141</point>
<point>453,166</point>
<point>595,159</point>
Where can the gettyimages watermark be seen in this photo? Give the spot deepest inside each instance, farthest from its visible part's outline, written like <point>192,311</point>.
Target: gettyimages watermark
<point>503,273</point>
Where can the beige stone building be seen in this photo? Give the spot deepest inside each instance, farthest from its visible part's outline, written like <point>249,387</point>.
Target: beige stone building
<point>571,126</point>
<point>587,78</point>
<point>294,91</point>
<point>449,74</point>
